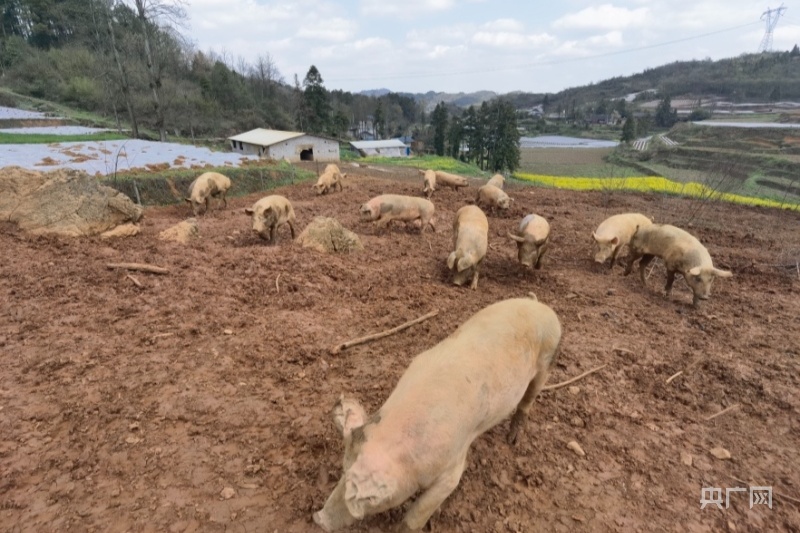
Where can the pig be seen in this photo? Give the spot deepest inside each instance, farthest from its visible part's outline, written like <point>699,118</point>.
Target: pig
<point>493,197</point>
<point>204,187</point>
<point>328,181</point>
<point>270,213</point>
<point>453,181</point>
<point>532,238</point>
<point>429,183</point>
<point>470,240</point>
<point>387,207</point>
<point>614,233</point>
<point>498,180</point>
<point>681,252</point>
<point>496,361</point>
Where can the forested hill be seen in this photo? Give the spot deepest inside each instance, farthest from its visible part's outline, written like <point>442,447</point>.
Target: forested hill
<point>762,77</point>
<point>127,60</point>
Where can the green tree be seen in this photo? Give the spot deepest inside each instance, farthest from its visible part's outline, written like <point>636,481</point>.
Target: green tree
<point>315,102</point>
<point>439,119</point>
<point>455,135</point>
<point>666,116</point>
<point>503,137</point>
<point>379,120</point>
<point>629,129</point>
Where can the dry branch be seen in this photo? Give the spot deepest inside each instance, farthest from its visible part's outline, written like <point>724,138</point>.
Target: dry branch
<point>277,287</point>
<point>622,350</point>
<point>573,380</point>
<point>673,376</point>
<point>375,336</point>
<point>139,267</point>
<point>135,281</point>
<point>729,408</point>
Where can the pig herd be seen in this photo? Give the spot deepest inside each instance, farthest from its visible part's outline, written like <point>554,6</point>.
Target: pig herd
<point>493,365</point>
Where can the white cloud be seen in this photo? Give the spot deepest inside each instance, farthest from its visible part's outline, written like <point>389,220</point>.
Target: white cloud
<point>404,8</point>
<point>335,30</point>
<point>606,17</point>
<point>503,25</point>
<point>512,40</point>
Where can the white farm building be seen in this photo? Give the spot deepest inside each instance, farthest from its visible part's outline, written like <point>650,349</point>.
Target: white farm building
<point>291,145</point>
<point>388,148</point>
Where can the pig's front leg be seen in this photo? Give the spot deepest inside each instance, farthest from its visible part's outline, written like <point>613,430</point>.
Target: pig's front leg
<point>474,285</point>
<point>423,507</point>
<point>643,262</point>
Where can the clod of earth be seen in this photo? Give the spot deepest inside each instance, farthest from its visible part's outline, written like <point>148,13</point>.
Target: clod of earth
<point>327,235</point>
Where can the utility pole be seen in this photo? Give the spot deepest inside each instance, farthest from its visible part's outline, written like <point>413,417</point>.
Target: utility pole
<point>770,16</point>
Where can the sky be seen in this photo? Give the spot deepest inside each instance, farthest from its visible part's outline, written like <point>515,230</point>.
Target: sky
<point>473,45</point>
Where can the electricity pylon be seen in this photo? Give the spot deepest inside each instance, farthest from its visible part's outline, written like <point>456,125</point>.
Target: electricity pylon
<point>770,16</point>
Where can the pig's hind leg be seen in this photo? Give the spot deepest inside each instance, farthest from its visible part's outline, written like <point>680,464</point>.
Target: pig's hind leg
<point>517,421</point>
<point>423,507</point>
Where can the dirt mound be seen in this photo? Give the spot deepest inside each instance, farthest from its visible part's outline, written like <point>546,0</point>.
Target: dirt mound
<point>327,235</point>
<point>183,232</point>
<point>62,202</point>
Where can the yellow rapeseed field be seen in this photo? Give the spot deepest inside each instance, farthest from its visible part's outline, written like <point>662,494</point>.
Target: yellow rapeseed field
<point>649,184</point>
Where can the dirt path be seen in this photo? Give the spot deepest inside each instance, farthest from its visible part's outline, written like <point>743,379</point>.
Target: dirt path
<point>131,409</point>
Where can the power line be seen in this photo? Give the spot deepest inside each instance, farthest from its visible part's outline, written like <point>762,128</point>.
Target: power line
<point>544,62</point>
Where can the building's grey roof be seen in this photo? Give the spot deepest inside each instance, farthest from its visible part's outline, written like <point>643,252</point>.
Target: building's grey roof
<point>371,145</point>
<point>262,137</point>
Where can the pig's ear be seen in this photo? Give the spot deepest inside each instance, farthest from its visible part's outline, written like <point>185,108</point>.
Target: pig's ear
<point>464,263</point>
<point>695,271</point>
<point>248,211</point>
<point>451,260</point>
<point>344,175</point>
<point>594,236</point>
<point>723,273</point>
<point>187,200</point>
<point>516,237</point>
<point>369,492</point>
<point>348,415</point>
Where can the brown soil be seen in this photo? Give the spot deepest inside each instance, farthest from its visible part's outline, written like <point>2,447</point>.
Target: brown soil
<point>126,408</point>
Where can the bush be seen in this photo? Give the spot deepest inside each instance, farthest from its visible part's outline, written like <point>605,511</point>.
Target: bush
<point>83,92</point>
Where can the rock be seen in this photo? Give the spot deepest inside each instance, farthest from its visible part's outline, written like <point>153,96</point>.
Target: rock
<point>577,422</point>
<point>123,230</point>
<point>228,332</point>
<point>227,493</point>
<point>575,447</point>
<point>574,390</point>
<point>183,232</point>
<point>62,202</point>
<point>720,453</point>
<point>327,235</point>
<point>686,458</point>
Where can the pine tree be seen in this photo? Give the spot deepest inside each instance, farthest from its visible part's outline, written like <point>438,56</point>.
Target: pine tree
<point>315,100</point>
<point>666,117</point>
<point>439,119</point>
<point>629,129</point>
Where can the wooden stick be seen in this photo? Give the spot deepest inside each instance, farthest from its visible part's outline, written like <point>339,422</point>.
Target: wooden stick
<point>623,350</point>
<point>135,281</point>
<point>277,288</point>
<point>573,380</point>
<point>375,336</point>
<point>729,408</point>
<point>139,267</point>
<point>673,376</point>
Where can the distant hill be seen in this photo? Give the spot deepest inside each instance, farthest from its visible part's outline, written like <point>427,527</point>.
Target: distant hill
<point>431,98</point>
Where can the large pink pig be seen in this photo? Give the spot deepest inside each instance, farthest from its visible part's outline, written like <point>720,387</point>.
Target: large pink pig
<point>497,361</point>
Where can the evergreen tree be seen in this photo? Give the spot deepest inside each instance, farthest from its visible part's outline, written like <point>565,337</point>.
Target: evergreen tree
<point>315,102</point>
<point>504,137</point>
<point>629,129</point>
<point>439,119</point>
<point>379,120</point>
<point>455,134</point>
<point>666,117</point>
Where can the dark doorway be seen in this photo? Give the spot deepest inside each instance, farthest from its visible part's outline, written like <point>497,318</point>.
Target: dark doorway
<point>307,154</point>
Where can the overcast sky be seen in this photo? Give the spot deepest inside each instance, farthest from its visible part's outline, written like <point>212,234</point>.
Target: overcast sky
<point>472,45</point>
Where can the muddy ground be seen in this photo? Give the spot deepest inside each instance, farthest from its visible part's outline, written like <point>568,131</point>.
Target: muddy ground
<point>132,409</point>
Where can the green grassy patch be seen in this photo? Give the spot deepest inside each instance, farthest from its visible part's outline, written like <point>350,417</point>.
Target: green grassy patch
<point>171,186</point>
<point>432,162</point>
<point>37,138</point>
<point>584,162</point>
